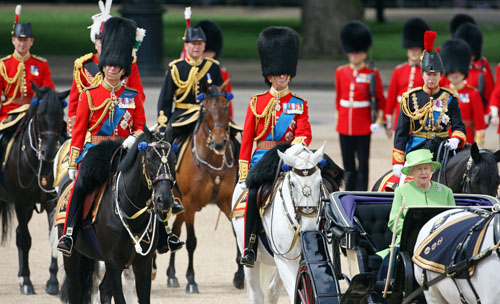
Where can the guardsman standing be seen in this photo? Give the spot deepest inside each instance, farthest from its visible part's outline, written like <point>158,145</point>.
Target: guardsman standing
<point>273,117</point>
<point>108,111</point>
<point>86,70</point>
<point>354,103</point>
<point>406,76</point>
<point>456,55</point>
<point>427,112</point>
<point>213,49</point>
<point>19,69</point>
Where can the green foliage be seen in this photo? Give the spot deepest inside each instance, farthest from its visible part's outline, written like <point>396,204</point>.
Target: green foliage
<point>64,32</point>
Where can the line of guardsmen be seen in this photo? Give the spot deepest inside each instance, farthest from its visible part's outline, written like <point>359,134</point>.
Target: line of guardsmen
<point>431,93</point>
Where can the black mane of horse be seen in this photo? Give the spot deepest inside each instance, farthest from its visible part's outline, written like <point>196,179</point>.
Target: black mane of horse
<point>265,170</point>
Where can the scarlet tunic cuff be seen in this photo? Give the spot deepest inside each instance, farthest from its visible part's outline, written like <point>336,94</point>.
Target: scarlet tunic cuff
<point>243,170</point>
<point>398,156</point>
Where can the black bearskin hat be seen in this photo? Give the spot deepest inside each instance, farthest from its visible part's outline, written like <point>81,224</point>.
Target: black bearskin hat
<point>194,34</point>
<point>413,33</point>
<point>456,55</point>
<point>278,50</point>
<point>458,20</point>
<point>473,36</point>
<point>431,61</point>
<point>214,36</point>
<point>355,36</point>
<point>117,44</point>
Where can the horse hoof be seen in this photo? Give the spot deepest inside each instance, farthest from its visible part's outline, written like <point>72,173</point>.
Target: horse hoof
<point>173,282</point>
<point>153,275</point>
<point>239,280</point>
<point>192,288</point>
<point>52,288</point>
<point>27,289</point>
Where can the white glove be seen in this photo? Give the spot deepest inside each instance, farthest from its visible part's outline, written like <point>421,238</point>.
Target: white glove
<point>452,143</point>
<point>396,170</point>
<point>72,173</point>
<point>374,127</point>
<point>129,142</point>
<point>242,185</point>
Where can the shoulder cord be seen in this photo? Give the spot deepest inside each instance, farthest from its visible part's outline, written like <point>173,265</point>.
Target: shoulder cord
<point>185,87</point>
<point>421,114</point>
<point>267,114</point>
<point>18,79</point>
<point>78,72</point>
<point>108,105</point>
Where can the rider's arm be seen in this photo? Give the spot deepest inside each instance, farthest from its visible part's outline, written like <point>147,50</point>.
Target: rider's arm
<point>247,139</point>
<point>79,129</point>
<point>166,95</point>
<point>457,124</point>
<point>139,115</point>
<point>303,132</point>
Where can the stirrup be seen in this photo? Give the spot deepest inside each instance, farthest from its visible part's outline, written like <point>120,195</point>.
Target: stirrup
<point>177,208</point>
<point>65,245</point>
<point>174,243</point>
<point>248,258</point>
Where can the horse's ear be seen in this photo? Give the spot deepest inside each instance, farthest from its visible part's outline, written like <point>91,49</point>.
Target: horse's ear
<point>223,87</point>
<point>147,132</point>
<point>204,86</point>
<point>169,133</point>
<point>287,159</point>
<point>38,93</point>
<point>497,156</point>
<point>62,95</point>
<point>474,153</point>
<point>318,155</point>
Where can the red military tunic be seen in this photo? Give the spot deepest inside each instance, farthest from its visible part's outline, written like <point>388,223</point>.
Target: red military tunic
<point>82,78</point>
<point>15,83</point>
<point>471,108</point>
<point>262,124</point>
<point>495,95</point>
<point>92,116</point>
<point>353,99</point>
<point>404,78</point>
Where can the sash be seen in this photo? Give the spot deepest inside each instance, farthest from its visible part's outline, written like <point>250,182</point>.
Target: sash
<point>126,100</point>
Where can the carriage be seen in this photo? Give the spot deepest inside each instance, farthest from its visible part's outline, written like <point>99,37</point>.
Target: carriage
<point>355,224</point>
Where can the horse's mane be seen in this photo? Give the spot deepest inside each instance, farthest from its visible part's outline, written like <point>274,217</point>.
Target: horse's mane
<point>131,155</point>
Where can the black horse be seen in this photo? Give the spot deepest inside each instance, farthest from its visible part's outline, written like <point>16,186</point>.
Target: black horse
<point>137,194</point>
<point>27,176</point>
<point>469,171</point>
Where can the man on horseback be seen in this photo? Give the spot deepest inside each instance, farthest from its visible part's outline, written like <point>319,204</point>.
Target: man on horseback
<point>427,112</point>
<point>108,111</point>
<point>86,70</point>
<point>17,71</point>
<point>276,116</point>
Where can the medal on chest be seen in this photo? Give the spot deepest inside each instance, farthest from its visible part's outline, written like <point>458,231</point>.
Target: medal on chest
<point>34,70</point>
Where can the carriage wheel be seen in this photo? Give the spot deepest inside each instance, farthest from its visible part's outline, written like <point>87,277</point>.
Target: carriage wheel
<point>304,291</point>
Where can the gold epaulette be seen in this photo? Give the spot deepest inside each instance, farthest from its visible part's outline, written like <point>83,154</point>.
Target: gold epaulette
<point>81,60</point>
<point>6,57</point>
<point>258,94</point>
<point>450,91</point>
<point>134,60</point>
<point>39,58</point>
<point>342,66</point>
<point>91,87</point>
<point>173,62</point>
<point>130,89</point>
<point>407,93</point>
<point>297,97</point>
<point>213,60</point>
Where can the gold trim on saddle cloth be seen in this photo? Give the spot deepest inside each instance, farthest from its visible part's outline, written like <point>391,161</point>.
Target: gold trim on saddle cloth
<point>7,151</point>
<point>62,202</point>
<point>240,206</point>
<point>181,153</point>
<point>12,119</point>
<point>62,162</point>
<point>195,115</point>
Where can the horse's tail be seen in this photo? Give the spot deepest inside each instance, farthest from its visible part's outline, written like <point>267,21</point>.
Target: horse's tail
<point>6,212</point>
<point>64,293</point>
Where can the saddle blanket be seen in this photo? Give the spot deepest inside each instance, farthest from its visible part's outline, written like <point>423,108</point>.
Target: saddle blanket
<point>14,116</point>
<point>62,203</point>
<point>389,181</point>
<point>437,250</point>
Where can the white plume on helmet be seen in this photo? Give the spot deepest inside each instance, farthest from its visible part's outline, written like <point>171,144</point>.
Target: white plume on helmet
<point>99,19</point>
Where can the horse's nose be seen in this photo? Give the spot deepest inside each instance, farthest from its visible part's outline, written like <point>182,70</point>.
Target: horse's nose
<point>220,145</point>
<point>160,201</point>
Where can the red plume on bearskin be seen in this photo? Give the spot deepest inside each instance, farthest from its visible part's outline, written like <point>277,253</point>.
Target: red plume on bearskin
<point>429,38</point>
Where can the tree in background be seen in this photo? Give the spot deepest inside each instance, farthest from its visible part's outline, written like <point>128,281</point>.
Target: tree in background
<point>321,23</point>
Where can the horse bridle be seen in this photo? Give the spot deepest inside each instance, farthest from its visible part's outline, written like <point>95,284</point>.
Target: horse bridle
<point>210,144</point>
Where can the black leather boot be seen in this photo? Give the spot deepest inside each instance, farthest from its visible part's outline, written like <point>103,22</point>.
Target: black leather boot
<point>65,244</point>
<point>248,258</point>
<point>177,208</point>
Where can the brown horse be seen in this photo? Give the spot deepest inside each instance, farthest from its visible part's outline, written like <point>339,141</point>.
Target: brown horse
<point>207,172</point>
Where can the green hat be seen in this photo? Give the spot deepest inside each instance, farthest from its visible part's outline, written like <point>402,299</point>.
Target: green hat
<point>418,157</point>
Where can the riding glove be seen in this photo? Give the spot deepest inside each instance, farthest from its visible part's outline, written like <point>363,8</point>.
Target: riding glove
<point>396,170</point>
<point>129,142</point>
<point>374,127</point>
<point>72,173</point>
<point>452,143</point>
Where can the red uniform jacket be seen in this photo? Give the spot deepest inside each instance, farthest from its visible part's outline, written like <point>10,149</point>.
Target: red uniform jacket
<point>225,76</point>
<point>404,78</point>
<point>495,95</point>
<point>353,99</point>
<point>36,69</point>
<point>472,112</point>
<point>298,130</point>
<point>82,78</point>
<point>95,120</point>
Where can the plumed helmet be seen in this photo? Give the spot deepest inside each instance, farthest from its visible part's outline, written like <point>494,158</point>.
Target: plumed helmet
<point>473,36</point>
<point>355,36</point>
<point>458,20</point>
<point>431,61</point>
<point>213,34</point>
<point>413,33</point>
<point>194,34</point>
<point>278,50</point>
<point>99,19</point>
<point>456,55</point>
<point>21,30</point>
<point>117,44</point>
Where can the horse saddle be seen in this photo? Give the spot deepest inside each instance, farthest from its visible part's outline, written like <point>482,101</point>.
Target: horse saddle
<point>453,243</point>
<point>14,116</point>
<point>390,182</point>
<point>90,206</point>
<point>263,199</point>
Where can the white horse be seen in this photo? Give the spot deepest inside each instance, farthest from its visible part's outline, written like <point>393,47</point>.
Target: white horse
<point>484,280</point>
<point>299,190</point>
